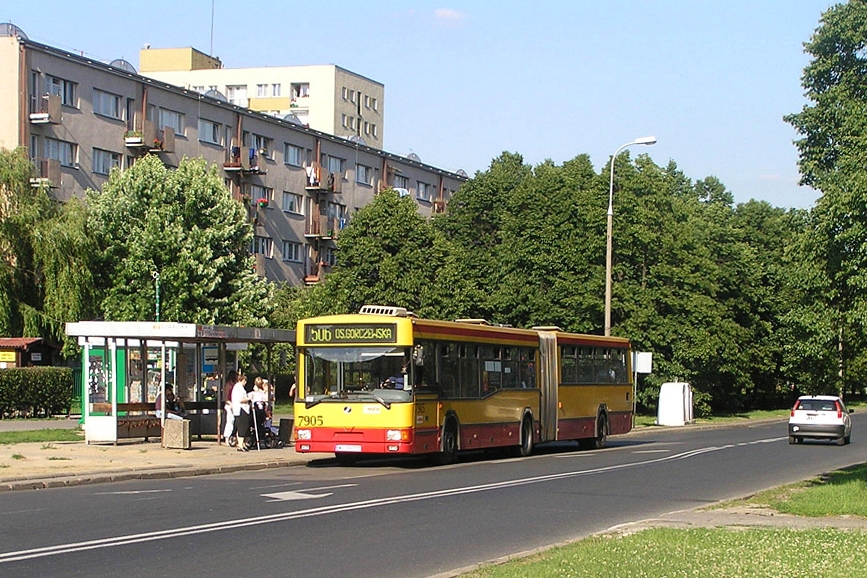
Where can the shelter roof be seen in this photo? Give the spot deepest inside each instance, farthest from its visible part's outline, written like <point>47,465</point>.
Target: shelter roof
<point>182,332</point>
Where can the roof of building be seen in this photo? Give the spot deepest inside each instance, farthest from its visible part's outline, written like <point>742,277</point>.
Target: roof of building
<point>19,342</point>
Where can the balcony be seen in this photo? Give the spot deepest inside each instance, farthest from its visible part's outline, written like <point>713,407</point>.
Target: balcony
<point>323,227</point>
<point>244,161</point>
<point>48,173</point>
<point>144,138</point>
<point>315,273</point>
<point>439,207</point>
<point>45,109</point>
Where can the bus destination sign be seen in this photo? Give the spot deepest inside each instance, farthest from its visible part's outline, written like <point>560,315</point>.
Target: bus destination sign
<point>367,333</point>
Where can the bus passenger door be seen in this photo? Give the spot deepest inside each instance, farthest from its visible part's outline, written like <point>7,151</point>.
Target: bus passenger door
<point>548,386</point>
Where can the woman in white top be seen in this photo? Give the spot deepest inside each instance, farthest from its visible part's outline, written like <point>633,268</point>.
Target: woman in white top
<point>241,411</point>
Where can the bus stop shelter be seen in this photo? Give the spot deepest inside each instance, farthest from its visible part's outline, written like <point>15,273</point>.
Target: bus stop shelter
<point>116,368</point>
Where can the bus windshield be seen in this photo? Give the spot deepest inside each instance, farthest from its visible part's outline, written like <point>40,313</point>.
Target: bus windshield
<point>380,374</point>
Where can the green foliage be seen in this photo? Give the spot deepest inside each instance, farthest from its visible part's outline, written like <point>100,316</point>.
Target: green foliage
<point>45,255</point>
<point>828,266</point>
<point>35,391</point>
<point>183,225</point>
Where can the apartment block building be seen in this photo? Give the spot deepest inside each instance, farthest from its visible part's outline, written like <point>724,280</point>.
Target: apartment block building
<point>81,118</point>
<point>324,97</point>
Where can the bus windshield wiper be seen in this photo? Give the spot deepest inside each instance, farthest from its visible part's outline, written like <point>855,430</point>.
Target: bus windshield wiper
<point>385,404</point>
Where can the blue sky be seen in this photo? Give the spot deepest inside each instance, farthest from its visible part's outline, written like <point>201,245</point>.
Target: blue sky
<point>549,79</point>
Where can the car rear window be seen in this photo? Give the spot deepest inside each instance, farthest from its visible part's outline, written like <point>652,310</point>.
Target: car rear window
<point>817,405</point>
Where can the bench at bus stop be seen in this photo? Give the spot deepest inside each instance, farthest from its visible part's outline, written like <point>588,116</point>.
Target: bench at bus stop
<point>139,419</point>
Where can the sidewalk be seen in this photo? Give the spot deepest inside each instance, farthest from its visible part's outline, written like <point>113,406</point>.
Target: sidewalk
<point>57,464</point>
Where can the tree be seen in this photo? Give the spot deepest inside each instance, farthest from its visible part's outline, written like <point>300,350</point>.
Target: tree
<point>390,255</point>
<point>833,154</point>
<point>45,267</point>
<point>183,225</point>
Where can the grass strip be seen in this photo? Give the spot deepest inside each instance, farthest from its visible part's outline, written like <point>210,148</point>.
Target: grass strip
<point>40,435</point>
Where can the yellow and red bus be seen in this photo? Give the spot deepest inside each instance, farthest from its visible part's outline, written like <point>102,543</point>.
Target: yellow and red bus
<point>386,382</point>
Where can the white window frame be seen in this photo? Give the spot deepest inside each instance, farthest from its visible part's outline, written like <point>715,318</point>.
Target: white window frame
<point>258,192</point>
<point>401,182</point>
<point>61,150</point>
<point>363,174</point>
<point>107,104</point>
<point>210,131</point>
<point>65,89</point>
<point>263,145</point>
<point>291,251</point>
<point>276,89</point>
<point>293,203</point>
<point>424,191</point>
<point>172,119</point>
<point>293,155</point>
<point>261,90</point>
<point>262,246</point>
<point>104,161</point>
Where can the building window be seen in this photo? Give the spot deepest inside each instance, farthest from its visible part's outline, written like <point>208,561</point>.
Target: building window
<point>210,131</point>
<point>293,155</point>
<point>425,191</point>
<point>65,89</point>
<point>327,256</point>
<point>276,90</point>
<point>262,246</point>
<point>373,131</point>
<point>237,94</point>
<point>352,98</point>
<point>199,89</point>
<point>375,104</point>
<point>263,145</point>
<point>363,174</point>
<point>345,93</point>
<point>260,193</point>
<point>292,203</point>
<point>61,151</point>
<point>401,182</point>
<point>261,90</point>
<point>343,121</point>
<point>104,161</point>
<point>366,127</point>
<point>334,164</point>
<point>300,90</point>
<point>107,104</point>
<point>366,101</point>
<point>171,119</point>
<point>291,251</point>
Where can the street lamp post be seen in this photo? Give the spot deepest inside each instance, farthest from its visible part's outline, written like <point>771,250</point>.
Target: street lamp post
<point>645,140</point>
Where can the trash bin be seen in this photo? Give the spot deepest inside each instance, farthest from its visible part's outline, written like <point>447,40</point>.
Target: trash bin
<point>177,434</point>
<point>285,431</point>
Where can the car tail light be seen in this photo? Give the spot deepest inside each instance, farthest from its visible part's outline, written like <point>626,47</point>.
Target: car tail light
<point>839,409</point>
<point>797,403</point>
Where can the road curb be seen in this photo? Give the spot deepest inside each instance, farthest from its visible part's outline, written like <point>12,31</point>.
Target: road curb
<point>157,474</point>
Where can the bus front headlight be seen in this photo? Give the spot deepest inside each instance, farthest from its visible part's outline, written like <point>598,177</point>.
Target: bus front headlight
<point>303,434</point>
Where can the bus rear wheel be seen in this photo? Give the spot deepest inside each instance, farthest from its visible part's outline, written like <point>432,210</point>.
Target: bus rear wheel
<point>525,448</point>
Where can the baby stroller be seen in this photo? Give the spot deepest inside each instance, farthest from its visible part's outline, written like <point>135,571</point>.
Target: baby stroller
<point>263,435</point>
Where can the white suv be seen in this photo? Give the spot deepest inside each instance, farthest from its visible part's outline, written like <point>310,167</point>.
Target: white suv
<point>821,417</point>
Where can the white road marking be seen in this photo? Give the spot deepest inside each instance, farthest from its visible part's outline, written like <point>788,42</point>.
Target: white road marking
<point>305,495</point>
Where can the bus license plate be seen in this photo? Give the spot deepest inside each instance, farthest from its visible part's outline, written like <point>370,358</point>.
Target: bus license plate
<point>347,448</point>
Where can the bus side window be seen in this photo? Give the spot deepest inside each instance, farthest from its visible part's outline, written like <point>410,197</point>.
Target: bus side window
<point>448,370</point>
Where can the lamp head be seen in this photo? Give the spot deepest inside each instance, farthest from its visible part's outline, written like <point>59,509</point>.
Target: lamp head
<point>645,140</point>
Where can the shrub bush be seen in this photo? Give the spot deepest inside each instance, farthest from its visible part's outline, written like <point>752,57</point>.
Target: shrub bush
<point>35,391</point>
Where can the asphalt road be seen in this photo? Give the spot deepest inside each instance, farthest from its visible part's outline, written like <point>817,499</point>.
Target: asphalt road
<point>397,518</point>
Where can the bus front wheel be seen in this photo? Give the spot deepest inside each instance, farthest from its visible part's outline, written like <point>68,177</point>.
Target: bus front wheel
<point>449,452</point>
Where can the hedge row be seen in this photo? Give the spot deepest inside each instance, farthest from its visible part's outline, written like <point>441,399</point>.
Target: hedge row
<point>35,391</point>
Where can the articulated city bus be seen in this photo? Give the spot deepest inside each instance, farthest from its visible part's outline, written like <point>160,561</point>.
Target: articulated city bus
<point>386,382</point>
